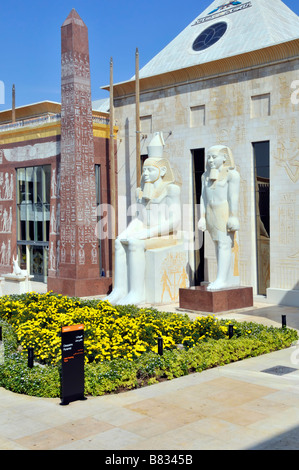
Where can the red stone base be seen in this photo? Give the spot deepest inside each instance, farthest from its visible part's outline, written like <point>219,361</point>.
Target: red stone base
<point>80,287</point>
<point>199,298</point>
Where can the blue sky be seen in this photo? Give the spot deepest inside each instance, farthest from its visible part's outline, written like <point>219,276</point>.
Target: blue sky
<point>30,38</point>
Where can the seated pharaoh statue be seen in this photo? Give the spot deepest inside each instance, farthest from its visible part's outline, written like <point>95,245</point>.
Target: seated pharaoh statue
<point>155,225</point>
<point>219,211</point>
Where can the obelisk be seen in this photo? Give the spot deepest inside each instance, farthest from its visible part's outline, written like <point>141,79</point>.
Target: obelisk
<point>78,269</point>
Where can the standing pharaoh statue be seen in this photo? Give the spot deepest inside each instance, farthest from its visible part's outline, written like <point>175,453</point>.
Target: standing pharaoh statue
<point>219,211</point>
<point>156,225</point>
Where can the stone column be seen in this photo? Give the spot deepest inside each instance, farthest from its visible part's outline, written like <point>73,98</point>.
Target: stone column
<point>78,270</point>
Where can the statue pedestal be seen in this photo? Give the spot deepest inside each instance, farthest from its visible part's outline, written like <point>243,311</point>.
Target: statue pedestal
<point>16,284</point>
<point>203,300</point>
<point>79,287</point>
<point>1,281</point>
<point>165,273</point>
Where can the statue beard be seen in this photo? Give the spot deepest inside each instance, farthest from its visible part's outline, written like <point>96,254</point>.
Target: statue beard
<point>148,191</point>
<point>214,174</point>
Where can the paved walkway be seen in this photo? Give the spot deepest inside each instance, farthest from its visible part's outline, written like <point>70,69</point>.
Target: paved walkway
<point>251,404</point>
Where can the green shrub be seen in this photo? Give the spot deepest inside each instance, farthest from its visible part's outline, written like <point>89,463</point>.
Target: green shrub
<point>205,345</point>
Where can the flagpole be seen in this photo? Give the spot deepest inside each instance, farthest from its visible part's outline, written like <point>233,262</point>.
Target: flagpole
<point>13,104</point>
<point>137,93</point>
<point>112,168</point>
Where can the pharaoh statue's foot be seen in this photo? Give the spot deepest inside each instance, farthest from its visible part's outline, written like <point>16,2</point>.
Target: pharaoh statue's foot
<point>216,285</point>
<point>114,296</point>
<point>131,299</point>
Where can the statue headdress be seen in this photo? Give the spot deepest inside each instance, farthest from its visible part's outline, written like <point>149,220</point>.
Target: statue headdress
<point>226,151</point>
<point>155,158</point>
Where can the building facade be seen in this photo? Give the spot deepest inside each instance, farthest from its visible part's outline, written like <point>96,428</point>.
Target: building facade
<point>55,161</point>
<point>231,77</point>
<point>30,158</point>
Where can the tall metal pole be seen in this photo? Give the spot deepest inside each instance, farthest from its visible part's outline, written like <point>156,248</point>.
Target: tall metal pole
<point>112,167</point>
<point>137,92</point>
<point>13,108</point>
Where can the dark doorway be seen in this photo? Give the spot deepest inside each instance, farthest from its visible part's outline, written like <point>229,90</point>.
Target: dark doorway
<point>198,162</point>
<point>261,153</point>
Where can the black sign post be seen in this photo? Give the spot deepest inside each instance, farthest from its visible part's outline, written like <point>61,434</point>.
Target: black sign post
<point>72,367</point>
<point>1,347</point>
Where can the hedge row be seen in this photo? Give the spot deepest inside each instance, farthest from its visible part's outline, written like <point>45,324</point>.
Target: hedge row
<point>120,374</point>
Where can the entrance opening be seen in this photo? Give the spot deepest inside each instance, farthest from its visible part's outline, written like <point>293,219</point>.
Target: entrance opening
<point>198,162</point>
<point>261,153</point>
<point>98,203</point>
<point>33,219</point>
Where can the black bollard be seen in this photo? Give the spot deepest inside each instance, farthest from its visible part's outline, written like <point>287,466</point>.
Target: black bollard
<point>1,347</point>
<point>160,346</point>
<point>283,321</point>
<point>30,357</point>
<point>230,331</point>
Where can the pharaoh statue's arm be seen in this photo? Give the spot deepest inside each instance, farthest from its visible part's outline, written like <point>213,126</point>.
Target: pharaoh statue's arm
<point>172,223</point>
<point>233,200</point>
<point>134,226</point>
<point>202,221</point>
<point>166,225</point>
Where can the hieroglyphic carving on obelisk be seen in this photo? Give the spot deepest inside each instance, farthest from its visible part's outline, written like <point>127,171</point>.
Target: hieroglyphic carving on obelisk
<point>77,173</point>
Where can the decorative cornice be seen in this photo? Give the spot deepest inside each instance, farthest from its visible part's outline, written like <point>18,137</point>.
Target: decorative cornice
<point>24,134</point>
<point>31,111</point>
<point>103,130</point>
<point>260,58</point>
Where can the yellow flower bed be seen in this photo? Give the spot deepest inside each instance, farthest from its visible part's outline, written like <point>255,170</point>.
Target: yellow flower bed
<point>109,332</point>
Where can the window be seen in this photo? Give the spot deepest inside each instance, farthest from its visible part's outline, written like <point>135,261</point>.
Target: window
<point>209,36</point>
<point>146,124</point>
<point>197,116</point>
<point>33,203</point>
<point>33,219</point>
<point>260,106</point>
<point>98,201</point>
